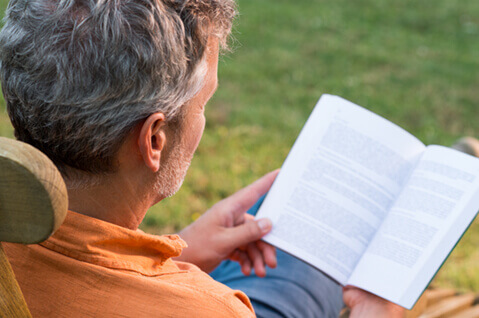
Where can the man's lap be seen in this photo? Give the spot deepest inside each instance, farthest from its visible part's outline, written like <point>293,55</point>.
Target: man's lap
<point>293,289</point>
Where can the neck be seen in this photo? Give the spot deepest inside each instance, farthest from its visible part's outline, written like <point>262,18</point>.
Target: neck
<point>117,199</point>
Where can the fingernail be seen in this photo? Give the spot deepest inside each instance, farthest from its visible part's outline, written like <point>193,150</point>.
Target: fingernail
<point>264,225</point>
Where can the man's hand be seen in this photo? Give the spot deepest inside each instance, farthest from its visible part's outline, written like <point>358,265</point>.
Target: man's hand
<point>227,232</point>
<point>366,305</point>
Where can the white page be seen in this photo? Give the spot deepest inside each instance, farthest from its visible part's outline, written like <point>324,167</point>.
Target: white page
<point>338,182</point>
<point>430,215</point>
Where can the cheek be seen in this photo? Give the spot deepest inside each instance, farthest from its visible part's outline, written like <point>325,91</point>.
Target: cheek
<point>197,129</point>
<point>201,129</point>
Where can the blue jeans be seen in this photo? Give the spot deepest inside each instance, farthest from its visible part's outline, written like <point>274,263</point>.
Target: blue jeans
<point>292,289</point>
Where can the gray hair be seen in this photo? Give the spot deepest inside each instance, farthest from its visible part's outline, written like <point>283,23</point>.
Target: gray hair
<point>77,75</point>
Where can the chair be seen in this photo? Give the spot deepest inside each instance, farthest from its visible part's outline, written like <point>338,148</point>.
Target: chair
<point>33,204</point>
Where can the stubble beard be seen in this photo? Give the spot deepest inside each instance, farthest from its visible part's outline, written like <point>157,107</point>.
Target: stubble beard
<point>173,171</point>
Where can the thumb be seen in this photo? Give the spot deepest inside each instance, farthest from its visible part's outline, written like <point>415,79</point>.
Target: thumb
<point>249,232</point>
<point>238,203</point>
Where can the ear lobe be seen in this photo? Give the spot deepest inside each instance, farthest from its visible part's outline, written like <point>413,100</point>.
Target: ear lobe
<point>152,140</point>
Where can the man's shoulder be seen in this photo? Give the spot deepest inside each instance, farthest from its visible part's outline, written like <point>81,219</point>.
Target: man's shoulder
<point>80,287</point>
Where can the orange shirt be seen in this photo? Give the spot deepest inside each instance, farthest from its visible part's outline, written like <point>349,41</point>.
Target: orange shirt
<point>92,268</point>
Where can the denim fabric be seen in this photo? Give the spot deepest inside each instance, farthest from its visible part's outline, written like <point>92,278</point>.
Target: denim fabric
<point>293,289</point>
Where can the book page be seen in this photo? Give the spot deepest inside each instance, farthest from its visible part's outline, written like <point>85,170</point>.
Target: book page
<point>337,184</point>
<point>430,215</point>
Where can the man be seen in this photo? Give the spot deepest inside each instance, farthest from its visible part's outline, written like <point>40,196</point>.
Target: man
<point>114,93</point>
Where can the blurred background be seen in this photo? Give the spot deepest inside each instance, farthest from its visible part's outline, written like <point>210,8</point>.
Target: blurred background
<point>414,62</point>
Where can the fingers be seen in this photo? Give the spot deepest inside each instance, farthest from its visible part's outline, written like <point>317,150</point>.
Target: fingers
<point>242,258</point>
<point>245,198</point>
<point>256,258</point>
<point>363,303</point>
<point>247,237</point>
<point>255,255</point>
<point>248,232</point>
<point>269,254</point>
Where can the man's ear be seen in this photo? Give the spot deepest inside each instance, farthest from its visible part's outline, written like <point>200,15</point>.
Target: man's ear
<point>152,140</point>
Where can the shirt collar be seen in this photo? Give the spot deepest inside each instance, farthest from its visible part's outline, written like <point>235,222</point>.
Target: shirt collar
<point>102,243</point>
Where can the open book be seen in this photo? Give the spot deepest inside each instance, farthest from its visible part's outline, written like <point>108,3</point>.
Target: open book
<point>368,204</point>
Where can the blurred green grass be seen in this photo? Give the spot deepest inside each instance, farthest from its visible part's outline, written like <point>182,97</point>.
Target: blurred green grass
<point>413,62</point>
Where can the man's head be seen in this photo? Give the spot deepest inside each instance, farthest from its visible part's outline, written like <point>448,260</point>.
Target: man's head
<point>79,75</point>
<point>182,136</point>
